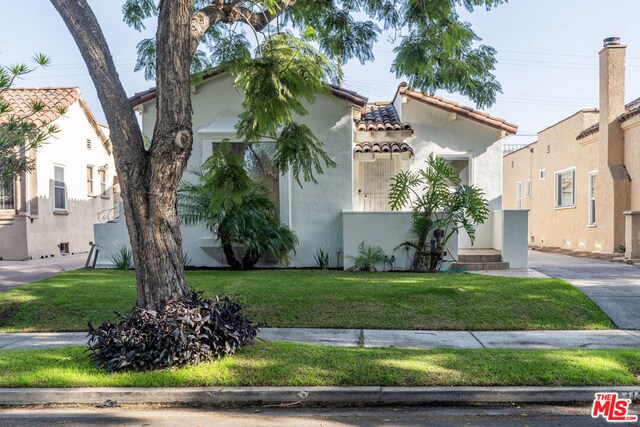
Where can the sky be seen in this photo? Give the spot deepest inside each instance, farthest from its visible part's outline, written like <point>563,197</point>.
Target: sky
<point>547,55</point>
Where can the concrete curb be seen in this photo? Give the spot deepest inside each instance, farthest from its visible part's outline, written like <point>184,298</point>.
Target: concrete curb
<point>308,395</point>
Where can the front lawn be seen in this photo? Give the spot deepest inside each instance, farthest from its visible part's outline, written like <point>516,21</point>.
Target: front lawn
<point>320,299</point>
<point>286,364</point>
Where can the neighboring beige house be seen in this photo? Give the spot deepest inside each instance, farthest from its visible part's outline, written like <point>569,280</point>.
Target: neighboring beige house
<point>370,143</point>
<point>578,179</point>
<point>51,210</point>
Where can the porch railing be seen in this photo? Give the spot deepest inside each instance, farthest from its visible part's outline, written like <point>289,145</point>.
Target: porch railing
<point>109,215</point>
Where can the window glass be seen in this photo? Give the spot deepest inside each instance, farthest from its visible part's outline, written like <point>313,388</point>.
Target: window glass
<point>89,180</point>
<point>565,188</point>
<point>592,198</point>
<point>7,196</point>
<point>103,181</point>
<point>59,188</point>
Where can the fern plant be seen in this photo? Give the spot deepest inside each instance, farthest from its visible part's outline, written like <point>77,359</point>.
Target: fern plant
<point>368,257</point>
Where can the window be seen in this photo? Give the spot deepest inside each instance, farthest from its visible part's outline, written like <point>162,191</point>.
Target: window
<point>592,198</point>
<point>527,188</point>
<point>542,174</point>
<point>88,144</point>
<point>103,182</point>
<point>59,189</point>
<point>89,180</point>
<point>519,195</point>
<point>7,200</point>
<point>462,166</point>
<point>565,188</point>
<point>64,248</point>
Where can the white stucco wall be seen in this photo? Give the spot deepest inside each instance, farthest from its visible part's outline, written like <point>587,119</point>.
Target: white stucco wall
<point>387,230</point>
<point>440,133</point>
<point>313,211</point>
<point>46,229</point>
<point>511,236</point>
<point>69,149</point>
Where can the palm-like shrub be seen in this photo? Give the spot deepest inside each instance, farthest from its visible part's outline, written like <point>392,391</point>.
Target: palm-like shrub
<point>441,206</point>
<point>368,257</point>
<point>238,209</point>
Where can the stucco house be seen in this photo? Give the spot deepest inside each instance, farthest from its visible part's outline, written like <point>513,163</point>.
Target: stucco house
<point>579,180</point>
<point>51,210</point>
<point>370,143</point>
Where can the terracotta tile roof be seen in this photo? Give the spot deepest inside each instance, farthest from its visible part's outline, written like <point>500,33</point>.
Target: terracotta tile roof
<point>632,109</point>
<point>55,101</point>
<point>589,131</point>
<point>337,91</point>
<point>380,117</point>
<point>386,147</point>
<point>455,107</point>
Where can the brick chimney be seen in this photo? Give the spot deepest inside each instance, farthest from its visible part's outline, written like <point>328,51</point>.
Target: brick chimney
<point>612,76</point>
<point>613,186</point>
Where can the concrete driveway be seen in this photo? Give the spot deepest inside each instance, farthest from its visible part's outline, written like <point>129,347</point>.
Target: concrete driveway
<point>614,287</point>
<point>16,273</point>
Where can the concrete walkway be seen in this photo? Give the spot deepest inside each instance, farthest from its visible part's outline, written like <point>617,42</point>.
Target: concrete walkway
<point>16,273</point>
<point>614,287</point>
<point>607,339</point>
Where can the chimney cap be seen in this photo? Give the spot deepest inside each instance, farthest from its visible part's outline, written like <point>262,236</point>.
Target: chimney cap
<point>611,41</point>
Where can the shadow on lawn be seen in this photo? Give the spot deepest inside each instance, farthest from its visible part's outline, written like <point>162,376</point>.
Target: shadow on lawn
<point>285,364</point>
<point>294,298</point>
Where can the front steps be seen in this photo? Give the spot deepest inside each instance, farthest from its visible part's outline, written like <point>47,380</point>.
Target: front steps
<point>479,259</point>
<point>7,219</point>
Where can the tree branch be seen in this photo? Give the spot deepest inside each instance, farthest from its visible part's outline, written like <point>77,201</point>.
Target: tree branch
<point>230,13</point>
<point>86,31</point>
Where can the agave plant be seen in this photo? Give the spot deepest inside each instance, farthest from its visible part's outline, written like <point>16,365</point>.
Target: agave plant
<point>122,259</point>
<point>440,205</point>
<point>323,258</point>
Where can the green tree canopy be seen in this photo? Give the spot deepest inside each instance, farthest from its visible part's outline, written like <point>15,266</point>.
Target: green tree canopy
<point>20,130</point>
<point>283,49</point>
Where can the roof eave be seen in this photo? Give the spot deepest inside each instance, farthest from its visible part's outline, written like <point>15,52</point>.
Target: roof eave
<point>339,92</point>
<point>466,112</point>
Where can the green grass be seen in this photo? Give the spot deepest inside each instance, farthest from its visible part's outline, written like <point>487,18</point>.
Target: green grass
<point>321,299</point>
<point>286,364</point>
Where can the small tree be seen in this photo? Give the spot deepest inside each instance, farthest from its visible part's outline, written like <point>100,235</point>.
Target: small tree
<point>440,206</point>
<point>22,128</point>
<point>238,209</point>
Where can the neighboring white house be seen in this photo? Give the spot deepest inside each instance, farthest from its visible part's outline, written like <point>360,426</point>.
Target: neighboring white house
<point>51,210</point>
<point>370,143</point>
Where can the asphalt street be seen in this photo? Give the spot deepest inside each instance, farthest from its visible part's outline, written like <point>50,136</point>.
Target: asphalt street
<point>533,415</point>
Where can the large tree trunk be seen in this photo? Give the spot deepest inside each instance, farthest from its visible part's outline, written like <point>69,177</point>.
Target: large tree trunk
<point>149,179</point>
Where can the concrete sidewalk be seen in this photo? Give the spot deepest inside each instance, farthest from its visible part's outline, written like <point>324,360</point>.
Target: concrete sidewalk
<point>603,339</point>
